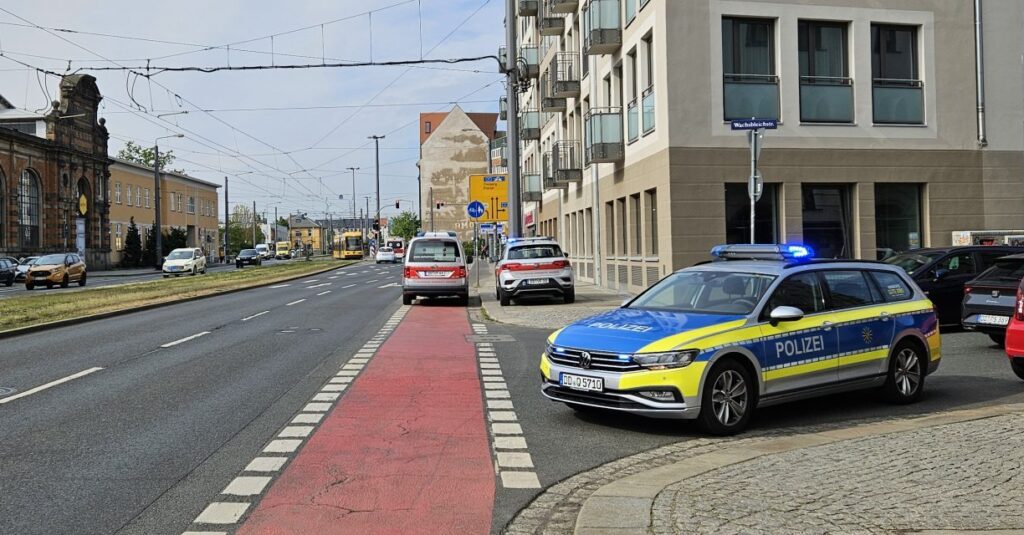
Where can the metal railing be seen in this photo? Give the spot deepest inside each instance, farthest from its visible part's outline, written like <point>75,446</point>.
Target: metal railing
<point>826,99</point>
<point>565,79</point>
<point>633,120</point>
<point>898,101</point>
<point>647,103</point>
<point>751,95</point>
<point>603,135</point>
<point>602,27</point>
<point>567,161</point>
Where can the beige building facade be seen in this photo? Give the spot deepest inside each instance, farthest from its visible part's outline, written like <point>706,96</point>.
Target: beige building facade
<point>879,146</point>
<point>187,203</point>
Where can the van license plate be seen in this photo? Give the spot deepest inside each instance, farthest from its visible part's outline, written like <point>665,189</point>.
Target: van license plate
<point>579,382</point>
<point>993,320</point>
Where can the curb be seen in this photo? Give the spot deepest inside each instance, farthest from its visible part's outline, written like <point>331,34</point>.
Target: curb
<point>624,506</point>
<point>11,333</point>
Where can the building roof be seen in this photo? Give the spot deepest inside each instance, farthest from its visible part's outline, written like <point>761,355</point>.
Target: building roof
<point>139,167</point>
<point>486,122</point>
<point>302,222</point>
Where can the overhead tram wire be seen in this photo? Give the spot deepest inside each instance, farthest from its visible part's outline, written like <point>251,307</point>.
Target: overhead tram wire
<point>151,71</point>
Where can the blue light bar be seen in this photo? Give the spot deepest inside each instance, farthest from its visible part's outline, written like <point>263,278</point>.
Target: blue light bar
<point>762,252</point>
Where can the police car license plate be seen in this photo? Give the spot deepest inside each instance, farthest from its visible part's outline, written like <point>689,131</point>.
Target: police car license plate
<point>536,282</point>
<point>579,382</point>
<point>993,320</point>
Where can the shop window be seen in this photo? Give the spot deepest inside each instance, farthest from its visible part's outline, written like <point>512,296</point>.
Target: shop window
<point>651,221</point>
<point>827,220</point>
<point>897,218</point>
<point>737,214</point>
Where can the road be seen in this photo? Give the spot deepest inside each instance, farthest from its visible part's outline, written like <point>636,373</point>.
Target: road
<point>163,409</point>
<point>140,445</point>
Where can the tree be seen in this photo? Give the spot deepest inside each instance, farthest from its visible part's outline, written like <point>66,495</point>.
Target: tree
<point>242,219</point>
<point>132,246</point>
<point>404,225</point>
<point>282,222</point>
<point>148,258</point>
<point>176,238</point>
<point>144,156</point>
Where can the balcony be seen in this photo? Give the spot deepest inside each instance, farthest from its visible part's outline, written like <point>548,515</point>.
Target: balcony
<point>562,6</point>
<point>533,187</point>
<point>499,154</point>
<point>565,82</point>
<point>548,177</point>
<point>603,135</point>
<point>751,95</point>
<point>503,108</point>
<point>566,162</point>
<point>898,101</point>
<point>602,28</point>
<point>548,102</point>
<point>529,59</point>
<point>826,99</point>
<point>529,125</point>
<point>551,24</point>
<point>528,8</point>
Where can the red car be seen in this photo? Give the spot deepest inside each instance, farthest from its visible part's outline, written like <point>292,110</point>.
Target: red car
<point>1015,335</point>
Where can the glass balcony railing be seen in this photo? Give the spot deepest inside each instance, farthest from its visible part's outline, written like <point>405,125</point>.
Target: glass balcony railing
<point>602,28</point>
<point>567,161</point>
<point>529,125</point>
<point>632,121</point>
<point>826,99</point>
<point>603,131</point>
<point>748,96</point>
<point>529,58</point>
<point>647,103</point>
<point>533,187</point>
<point>528,8</point>
<point>562,6</point>
<point>898,101</point>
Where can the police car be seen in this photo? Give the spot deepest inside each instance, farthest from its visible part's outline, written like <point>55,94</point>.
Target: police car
<point>760,325</point>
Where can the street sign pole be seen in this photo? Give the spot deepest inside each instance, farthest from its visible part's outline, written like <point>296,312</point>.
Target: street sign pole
<point>476,249</point>
<point>753,136</point>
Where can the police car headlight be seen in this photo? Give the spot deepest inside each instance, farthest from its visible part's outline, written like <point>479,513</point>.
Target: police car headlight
<point>663,361</point>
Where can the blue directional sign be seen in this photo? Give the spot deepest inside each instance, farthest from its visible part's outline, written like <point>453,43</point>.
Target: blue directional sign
<point>754,124</point>
<point>489,227</point>
<point>476,209</point>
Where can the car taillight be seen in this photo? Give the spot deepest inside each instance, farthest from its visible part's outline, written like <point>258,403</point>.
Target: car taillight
<point>460,272</point>
<point>510,266</point>
<point>967,290</point>
<point>410,273</point>
<point>1020,305</point>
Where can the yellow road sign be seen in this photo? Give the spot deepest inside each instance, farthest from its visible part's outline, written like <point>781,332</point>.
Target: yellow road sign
<point>492,191</point>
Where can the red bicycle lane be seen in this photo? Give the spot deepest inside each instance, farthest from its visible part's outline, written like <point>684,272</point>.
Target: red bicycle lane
<point>405,451</point>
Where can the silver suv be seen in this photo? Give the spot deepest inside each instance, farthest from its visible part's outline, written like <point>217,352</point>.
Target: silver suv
<point>533,266</point>
<point>435,266</point>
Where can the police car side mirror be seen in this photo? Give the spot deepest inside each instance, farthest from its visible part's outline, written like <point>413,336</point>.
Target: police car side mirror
<point>781,314</point>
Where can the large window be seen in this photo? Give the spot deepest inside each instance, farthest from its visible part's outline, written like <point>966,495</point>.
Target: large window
<point>897,218</point>
<point>632,107</point>
<point>737,214</point>
<point>648,100</point>
<point>826,91</point>
<point>117,193</point>
<point>29,209</point>
<point>634,212</point>
<point>898,93</point>
<point>128,191</point>
<point>609,228</point>
<point>751,88</point>
<point>827,220</point>
<point>620,249</point>
<point>651,221</point>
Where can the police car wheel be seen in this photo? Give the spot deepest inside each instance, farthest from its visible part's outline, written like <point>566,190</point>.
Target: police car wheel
<point>1018,366</point>
<point>905,380</point>
<point>728,399</point>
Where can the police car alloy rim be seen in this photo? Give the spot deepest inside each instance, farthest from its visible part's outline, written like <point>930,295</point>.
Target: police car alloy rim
<point>729,397</point>
<point>908,375</point>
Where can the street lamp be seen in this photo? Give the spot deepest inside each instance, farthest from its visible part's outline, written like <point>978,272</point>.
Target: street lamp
<point>159,252</point>
<point>376,144</point>
<point>353,169</point>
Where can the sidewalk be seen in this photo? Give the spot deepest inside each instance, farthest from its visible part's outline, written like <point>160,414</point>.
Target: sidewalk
<point>542,312</point>
<point>951,472</point>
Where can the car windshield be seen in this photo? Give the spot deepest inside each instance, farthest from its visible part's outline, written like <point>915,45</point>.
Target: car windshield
<point>527,252</point>
<point>1005,270</point>
<point>30,260</point>
<point>353,243</point>
<point>912,262</point>
<point>708,292</point>
<point>51,259</point>
<point>434,251</point>
<point>248,252</point>
<point>179,255</point>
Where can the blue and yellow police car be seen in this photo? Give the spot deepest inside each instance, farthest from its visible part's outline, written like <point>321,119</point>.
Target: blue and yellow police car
<point>759,325</point>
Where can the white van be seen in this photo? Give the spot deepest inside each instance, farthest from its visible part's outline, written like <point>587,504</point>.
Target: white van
<point>265,250</point>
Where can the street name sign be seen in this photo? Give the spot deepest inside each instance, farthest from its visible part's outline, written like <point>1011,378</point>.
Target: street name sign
<point>754,124</point>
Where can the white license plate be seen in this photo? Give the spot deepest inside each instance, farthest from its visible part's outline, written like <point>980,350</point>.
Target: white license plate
<point>536,282</point>
<point>579,382</point>
<point>993,320</point>
<point>435,274</point>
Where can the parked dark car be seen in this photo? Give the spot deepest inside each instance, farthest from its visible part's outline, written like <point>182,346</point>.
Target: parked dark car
<point>942,272</point>
<point>989,300</point>
<point>8,271</point>
<point>248,256</point>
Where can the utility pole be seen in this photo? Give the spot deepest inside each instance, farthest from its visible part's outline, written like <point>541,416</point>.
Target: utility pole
<point>273,229</point>
<point>376,143</point>
<point>353,169</point>
<point>227,219</point>
<point>254,223</point>
<point>159,256</point>
<point>515,204</point>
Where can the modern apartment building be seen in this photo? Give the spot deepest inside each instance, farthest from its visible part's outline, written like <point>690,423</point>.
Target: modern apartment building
<point>886,138</point>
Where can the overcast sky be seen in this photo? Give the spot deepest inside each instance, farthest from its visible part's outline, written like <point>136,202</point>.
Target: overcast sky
<point>287,153</point>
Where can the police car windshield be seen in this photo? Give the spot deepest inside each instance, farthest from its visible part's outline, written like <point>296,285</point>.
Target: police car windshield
<point>912,262</point>
<point>706,292</point>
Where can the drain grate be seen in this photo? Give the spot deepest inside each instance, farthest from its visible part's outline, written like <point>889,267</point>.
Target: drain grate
<point>478,338</point>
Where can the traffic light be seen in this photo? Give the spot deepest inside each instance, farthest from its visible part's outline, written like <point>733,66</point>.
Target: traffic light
<point>396,205</point>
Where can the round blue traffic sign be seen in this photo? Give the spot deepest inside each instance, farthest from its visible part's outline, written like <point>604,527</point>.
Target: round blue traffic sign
<point>476,209</point>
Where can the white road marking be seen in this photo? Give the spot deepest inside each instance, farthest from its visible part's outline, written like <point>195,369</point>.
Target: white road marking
<point>282,446</point>
<point>222,513</point>
<point>256,315</point>
<point>307,419</point>
<point>349,286</point>
<point>266,464</point>
<point>51,384</point>
<point>514,459</point>
<point>332,277</point>
<point>246,485</point>
<point>310,281</point>
<point>392,285</point>
<point>321,285</point>
<point>372,281</point>
<point>506,429</point>
<point>296,431</point>
<point>295,302</point>
<point>323,293</point>
<point>185,339</point>
<point>510,443</point>
<point>519,480</point>
<point>281,286</point>
<point>502,416</point>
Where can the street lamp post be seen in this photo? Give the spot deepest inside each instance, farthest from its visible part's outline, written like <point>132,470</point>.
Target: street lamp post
<point>376,144</point>
<point>159,253</point>
<point>353,169</point>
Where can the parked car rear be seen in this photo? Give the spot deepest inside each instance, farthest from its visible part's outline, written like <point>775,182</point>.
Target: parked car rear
<point>533,266</point>
<point>8,270</point>
<point>435,266</point>
<point>989,300</point>
<point>1015,335</point>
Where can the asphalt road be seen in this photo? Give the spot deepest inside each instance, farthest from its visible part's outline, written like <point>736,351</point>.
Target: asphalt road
<point>563,443</point>
<point>142,444</point>
<point>18,290</point>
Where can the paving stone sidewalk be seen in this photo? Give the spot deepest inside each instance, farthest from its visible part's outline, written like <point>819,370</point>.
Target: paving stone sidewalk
<point>951,472</point>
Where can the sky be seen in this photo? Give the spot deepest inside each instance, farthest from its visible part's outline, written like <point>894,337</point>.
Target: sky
<point>294,159</point>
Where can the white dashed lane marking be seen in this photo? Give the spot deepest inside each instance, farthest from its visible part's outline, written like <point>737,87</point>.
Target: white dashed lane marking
<point>295,302</point>
<point>185,339</point>
<point>349,286</point>
<point>281,286</point>
<point>323,293</point>
<point>51,384</point>
<point>256,315</point>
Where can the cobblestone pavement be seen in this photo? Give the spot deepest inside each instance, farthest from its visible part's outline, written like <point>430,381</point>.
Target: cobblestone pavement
<point>967,475</point>
<point>958,476</point>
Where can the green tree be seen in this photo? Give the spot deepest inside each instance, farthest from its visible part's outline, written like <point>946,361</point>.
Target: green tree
<point>404,225</point>
<point>282,222</point>
<point>175,238</point>
<point>144,156</point>
<point>242,221</point>
<point>132,246</point>
<point>148,258</point>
